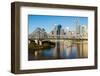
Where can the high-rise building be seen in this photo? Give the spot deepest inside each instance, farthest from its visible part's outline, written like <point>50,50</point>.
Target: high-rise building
<point>57,31</point>
<point>81,30</point>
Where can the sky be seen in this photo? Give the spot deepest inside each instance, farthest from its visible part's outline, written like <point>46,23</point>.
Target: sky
<point>48,22</point>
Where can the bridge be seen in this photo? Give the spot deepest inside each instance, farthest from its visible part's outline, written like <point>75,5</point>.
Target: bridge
<point>40,40</point>
<point>59,39</point>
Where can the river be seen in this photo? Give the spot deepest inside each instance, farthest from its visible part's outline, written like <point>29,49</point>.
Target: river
<point>64,49</point>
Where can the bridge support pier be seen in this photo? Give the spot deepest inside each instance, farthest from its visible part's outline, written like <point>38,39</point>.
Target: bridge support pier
<point>36,41</point>
<point>39,42</point>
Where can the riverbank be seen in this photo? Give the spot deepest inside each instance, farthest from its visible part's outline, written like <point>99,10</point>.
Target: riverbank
<point>45,45</point>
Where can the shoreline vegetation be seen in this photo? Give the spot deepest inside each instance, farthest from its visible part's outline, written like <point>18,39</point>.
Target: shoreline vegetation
<point>32,46</point>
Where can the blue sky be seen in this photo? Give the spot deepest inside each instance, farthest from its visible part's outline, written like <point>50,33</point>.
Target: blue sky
<point>48,22</point>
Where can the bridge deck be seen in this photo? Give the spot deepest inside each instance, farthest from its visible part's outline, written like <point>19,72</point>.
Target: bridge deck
<point>59,39</point>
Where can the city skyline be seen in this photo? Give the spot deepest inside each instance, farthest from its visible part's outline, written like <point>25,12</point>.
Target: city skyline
<point>57,37</point>
<point>48,22</point>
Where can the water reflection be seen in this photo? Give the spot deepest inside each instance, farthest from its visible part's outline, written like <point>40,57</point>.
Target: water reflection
<point>64,49</point>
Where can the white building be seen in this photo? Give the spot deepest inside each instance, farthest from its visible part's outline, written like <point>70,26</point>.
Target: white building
<point>81,31</point>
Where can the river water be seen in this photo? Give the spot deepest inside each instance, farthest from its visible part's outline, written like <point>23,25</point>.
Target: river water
<point>64,49</point>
